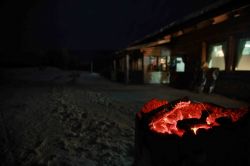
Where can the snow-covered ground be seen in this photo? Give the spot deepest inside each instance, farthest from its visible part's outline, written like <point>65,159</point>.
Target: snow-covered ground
<point>54,117</point>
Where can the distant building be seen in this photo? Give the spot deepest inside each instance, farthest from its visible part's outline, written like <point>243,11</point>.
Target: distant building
<point>217,36</point>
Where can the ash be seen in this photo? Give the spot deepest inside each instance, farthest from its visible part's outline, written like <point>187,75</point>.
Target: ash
<point>51,117</point>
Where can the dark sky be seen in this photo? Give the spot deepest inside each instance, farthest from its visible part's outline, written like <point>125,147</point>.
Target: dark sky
<point>87,24</point>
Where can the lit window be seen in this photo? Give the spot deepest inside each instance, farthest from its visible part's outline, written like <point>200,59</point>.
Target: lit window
<point>162,65</point>
<point>180,65</point>
<point>216,57</point>
<point>243,57</point>
<point>163,60</point>
<point>157,63</point>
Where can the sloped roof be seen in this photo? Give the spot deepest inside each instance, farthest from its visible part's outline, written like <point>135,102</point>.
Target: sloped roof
<point>214,9</point>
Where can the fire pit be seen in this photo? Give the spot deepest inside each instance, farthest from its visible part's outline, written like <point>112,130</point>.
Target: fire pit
<point>188,133</point>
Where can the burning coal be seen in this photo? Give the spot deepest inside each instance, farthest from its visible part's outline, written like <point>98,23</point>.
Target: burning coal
<point>184,115</point>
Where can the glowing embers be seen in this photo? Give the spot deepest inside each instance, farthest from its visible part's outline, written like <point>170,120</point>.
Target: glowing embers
<point>182,116</point>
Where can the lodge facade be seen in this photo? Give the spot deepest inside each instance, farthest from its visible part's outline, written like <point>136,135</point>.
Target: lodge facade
<point>216,37</point>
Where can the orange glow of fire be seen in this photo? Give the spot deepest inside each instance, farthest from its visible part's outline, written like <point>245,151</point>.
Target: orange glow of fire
<point>165,122</point>
<point>151,105</point>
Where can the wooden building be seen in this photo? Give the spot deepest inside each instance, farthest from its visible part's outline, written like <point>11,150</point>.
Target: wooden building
<point>218,36</point>
<point>143,65</point>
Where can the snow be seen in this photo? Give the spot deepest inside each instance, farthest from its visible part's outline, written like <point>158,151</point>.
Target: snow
<point>55,117</point>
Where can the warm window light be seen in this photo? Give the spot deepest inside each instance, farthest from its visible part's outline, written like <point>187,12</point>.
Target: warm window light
<point>220,53</point>
<point>162,60</point>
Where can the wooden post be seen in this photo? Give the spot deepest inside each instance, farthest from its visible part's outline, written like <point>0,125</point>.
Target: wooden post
<point>231,53</point>
<point>143,70</point>
<point>127,69</point>
<point>203,52</point>
<point>113,72</point>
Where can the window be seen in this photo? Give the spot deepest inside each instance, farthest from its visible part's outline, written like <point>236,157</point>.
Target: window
<point>162,64</point>
<point>180,65</point>
<point>157,63</point>
<point>243,56</point>
<point>216,56</point>
<point>152,63</point>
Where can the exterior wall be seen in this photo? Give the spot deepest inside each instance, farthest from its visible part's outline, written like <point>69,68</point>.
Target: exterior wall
<point>120,68</point>
<point>195,47</point>
<point>128,67</point>
<point>235,84</point>
<point>228,31</point>
<point>192,41</point>
<point>156,76</point>
<point>145,69</point>
<point>134,67</point>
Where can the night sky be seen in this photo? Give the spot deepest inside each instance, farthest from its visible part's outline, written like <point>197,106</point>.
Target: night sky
<point>86,24</point>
